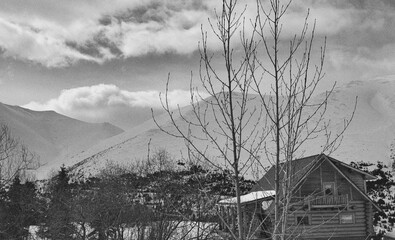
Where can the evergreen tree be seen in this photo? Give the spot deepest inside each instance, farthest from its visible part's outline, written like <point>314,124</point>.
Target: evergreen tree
<point>58,218</point>
<point>19,208</point>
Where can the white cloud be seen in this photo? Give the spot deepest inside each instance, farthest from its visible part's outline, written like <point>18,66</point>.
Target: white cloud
<point>102,102</point>
<point>108,95</point>
<point>28,44</point>
<point>142,38</point>
<point>58,33</point>
<point>347,63</point>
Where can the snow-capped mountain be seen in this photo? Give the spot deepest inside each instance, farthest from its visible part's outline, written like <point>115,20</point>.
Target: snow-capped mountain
<point>52,136</point>
<point>370,137</point>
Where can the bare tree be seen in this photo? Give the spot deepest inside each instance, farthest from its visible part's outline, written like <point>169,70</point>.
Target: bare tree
<point>223,130</point>
<point>295,117</point>
<point>15,158</point>
<point>230,122</point>
<point>18,202</point>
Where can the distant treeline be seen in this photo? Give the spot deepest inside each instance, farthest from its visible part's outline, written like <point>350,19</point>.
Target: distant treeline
<point>154,201</point>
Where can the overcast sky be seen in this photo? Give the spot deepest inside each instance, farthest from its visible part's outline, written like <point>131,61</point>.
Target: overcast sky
<point>107,60</point>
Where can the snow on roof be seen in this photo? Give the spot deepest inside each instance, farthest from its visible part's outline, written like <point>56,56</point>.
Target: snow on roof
<point>252,196</point>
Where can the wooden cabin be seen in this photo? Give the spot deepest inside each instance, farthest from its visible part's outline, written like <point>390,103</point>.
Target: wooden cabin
<point>328,200</point>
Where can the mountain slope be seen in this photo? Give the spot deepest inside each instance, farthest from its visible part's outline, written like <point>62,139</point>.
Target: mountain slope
<point>51,135</point>
<point>369,137</point>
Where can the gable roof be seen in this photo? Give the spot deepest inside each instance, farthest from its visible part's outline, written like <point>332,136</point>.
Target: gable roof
<point>368,176</point>
<point>299,168</point>
<point>302,167</point>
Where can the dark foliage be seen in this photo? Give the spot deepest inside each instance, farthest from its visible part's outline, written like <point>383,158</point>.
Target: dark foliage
<point>107,205</point>
<point>19,208</point>
<point>380,191</point>
<point>57,221</point>
<point>102,207</point>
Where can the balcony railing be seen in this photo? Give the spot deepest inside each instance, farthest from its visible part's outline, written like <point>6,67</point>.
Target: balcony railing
<point>328,201</point>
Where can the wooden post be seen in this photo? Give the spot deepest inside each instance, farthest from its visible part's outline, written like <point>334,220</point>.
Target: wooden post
<point>369,218</point>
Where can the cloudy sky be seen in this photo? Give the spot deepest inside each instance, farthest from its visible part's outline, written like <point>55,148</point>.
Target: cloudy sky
<point>107,60</point>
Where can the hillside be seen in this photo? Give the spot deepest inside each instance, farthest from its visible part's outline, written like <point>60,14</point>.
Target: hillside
<point>369,137</point>
<point>52,136</point>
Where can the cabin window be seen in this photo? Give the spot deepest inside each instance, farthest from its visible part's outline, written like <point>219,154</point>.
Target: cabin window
<point>346,218</point>
<point>328,188</point>
<point>303,220</point>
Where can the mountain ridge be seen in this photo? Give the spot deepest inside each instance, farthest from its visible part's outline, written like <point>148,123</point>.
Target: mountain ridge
<point>368,138</point>
<point>51,135</point>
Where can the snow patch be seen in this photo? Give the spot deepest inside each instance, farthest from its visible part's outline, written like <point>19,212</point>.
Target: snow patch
<point>252,196</point>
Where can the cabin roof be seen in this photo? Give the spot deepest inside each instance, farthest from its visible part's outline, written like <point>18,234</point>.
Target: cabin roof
<point>302,167</point>
<point>299,168</point>
<point>368,176</point>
